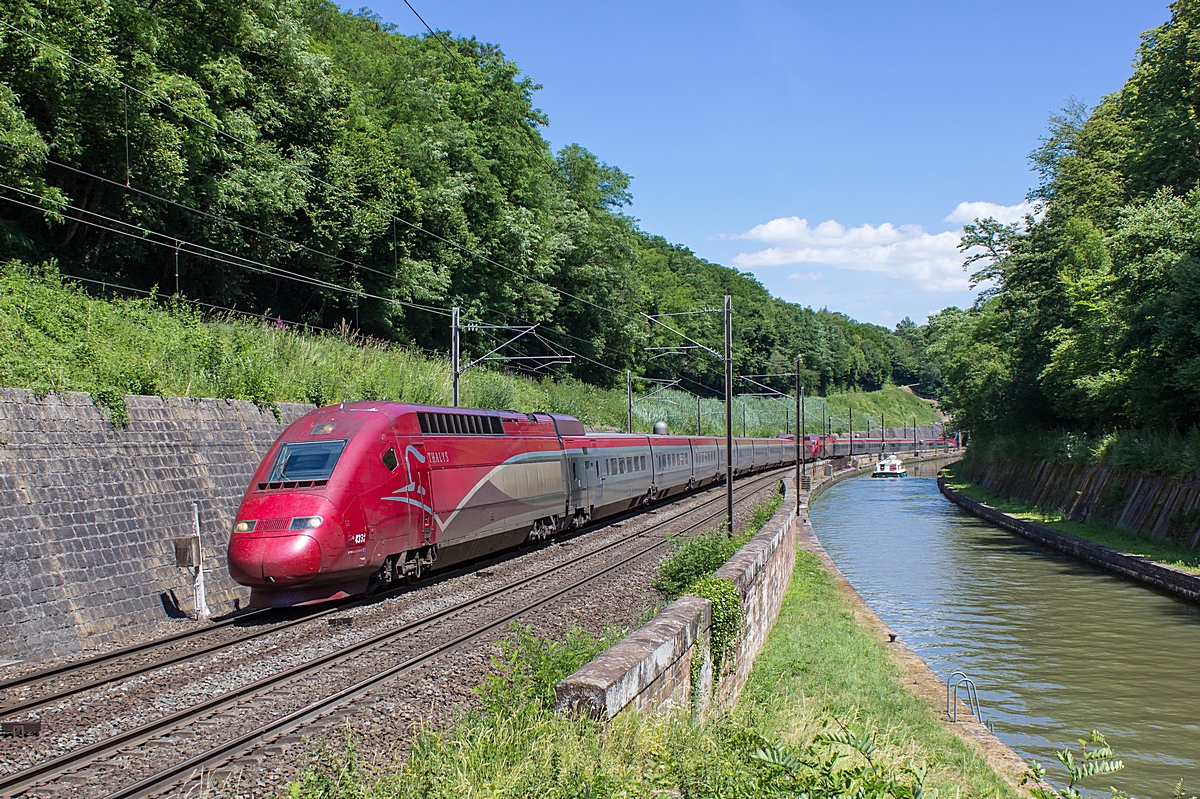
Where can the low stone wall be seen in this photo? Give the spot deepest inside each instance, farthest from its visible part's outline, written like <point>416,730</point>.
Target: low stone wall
<point>1158,575</point>
<point>90,511</point>
<point>1157,506</point>
<point>652,668</point>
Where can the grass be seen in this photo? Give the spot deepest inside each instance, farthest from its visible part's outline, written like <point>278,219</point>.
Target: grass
<point>822,698</point>
<point>54,337</point>
<point>1094,531</point>
<point>820,663</point>
<point>898,406</point>
<point>1169,452</point>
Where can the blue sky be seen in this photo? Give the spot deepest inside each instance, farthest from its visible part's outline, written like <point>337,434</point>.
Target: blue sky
<point>826,147</point>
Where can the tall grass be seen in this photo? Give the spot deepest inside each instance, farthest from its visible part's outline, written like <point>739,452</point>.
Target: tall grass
<point>55,337</point>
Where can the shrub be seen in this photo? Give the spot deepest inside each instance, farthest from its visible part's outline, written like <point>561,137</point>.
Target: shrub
<point>694,558</point>
<point>726,617</point>
<point>528,667</point>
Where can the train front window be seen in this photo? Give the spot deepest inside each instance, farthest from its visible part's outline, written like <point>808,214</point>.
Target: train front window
<point>306,460</point>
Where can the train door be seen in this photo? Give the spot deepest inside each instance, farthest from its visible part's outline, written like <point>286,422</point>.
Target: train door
<point>595,475</point>
<point>581,480</point>
<point>386,522</point>
<point>420,490</point>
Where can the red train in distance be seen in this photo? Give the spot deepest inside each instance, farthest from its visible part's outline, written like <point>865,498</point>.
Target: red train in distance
<point>363,495</point>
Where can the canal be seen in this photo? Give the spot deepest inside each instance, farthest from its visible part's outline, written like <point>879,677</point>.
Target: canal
<point>1056,648</point>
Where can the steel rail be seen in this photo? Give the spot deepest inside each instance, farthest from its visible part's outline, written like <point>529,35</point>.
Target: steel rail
<point>21,781</point>
<point>26,706</point>
<point>172,775</point>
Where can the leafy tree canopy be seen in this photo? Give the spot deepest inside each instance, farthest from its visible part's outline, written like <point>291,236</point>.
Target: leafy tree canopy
<point>286,156</point>
<point>1092,318</point>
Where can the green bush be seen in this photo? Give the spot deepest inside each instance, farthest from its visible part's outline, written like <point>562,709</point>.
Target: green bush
<point>528,667</point>
<point>726,617</point>
<point>694,558</point>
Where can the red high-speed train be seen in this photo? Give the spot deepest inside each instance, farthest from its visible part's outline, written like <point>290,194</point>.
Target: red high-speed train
<point>361,495</point>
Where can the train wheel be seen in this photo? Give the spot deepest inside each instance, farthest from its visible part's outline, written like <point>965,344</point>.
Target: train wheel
<point>414,575</point>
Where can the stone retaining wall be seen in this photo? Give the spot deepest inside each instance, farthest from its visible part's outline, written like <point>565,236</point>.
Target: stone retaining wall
<point>1158,575</point>
<point>652,668</point>
<point>1157,506</point>
<point>89,512</point>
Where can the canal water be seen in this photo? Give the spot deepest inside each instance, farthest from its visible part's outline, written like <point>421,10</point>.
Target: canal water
<point>1055,647</point>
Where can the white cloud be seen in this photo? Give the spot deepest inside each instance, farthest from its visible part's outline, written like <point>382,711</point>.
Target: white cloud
<point>905,252</point>
<point>966,213</point>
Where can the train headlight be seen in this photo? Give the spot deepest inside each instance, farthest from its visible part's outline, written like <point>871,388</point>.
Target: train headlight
<point>244,526</point>
<point>306,523</point>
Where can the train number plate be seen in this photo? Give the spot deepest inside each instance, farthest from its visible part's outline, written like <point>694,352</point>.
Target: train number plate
<point>356,540</point>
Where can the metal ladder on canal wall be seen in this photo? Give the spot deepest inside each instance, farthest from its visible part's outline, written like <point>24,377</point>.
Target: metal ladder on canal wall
<point>958,681</point>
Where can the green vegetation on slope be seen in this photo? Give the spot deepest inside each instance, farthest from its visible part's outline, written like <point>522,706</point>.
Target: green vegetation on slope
<point>399,168</point>
<point>1097,532</point>
<point>821,694</point>
<point>54,337</point>
<point>1146,450</point>
<point>1092,323</point>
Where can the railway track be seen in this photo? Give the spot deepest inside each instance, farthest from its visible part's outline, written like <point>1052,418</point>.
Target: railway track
<point>296,696</point>
<point>21,695</point>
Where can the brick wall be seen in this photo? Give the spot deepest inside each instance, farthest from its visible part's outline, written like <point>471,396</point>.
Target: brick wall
<point>89,512</point>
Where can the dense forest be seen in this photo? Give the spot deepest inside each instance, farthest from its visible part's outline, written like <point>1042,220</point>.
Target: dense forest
<point>1090,321</point>
<point>285,157</point>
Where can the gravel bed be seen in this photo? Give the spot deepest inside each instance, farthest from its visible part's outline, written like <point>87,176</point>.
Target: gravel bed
<point>100,714</point>
<point>383,722</point>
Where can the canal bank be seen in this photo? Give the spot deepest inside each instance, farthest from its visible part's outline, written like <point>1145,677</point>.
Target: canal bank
<point>915,674</point>
<point>1164,577</point>
<point>822,673</point>
<point>1056,647</point>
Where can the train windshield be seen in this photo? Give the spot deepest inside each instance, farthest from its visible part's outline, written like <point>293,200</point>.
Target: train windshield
<point>306,460</point>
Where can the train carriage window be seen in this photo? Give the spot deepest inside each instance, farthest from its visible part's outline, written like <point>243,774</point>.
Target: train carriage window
<point>390,460</point>
<point>643,462</point>
<point>621,465</point>
<point>306,460</point>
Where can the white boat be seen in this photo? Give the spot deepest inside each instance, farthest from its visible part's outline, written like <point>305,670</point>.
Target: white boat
<point>891,466</point>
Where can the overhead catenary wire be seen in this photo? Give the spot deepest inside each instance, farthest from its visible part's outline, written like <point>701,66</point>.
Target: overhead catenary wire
<point>219,218</point>
<point>341,191</point>
<point>203,251</point>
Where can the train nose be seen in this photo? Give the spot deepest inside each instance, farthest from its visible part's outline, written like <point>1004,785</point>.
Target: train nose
<point>280,560</point>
